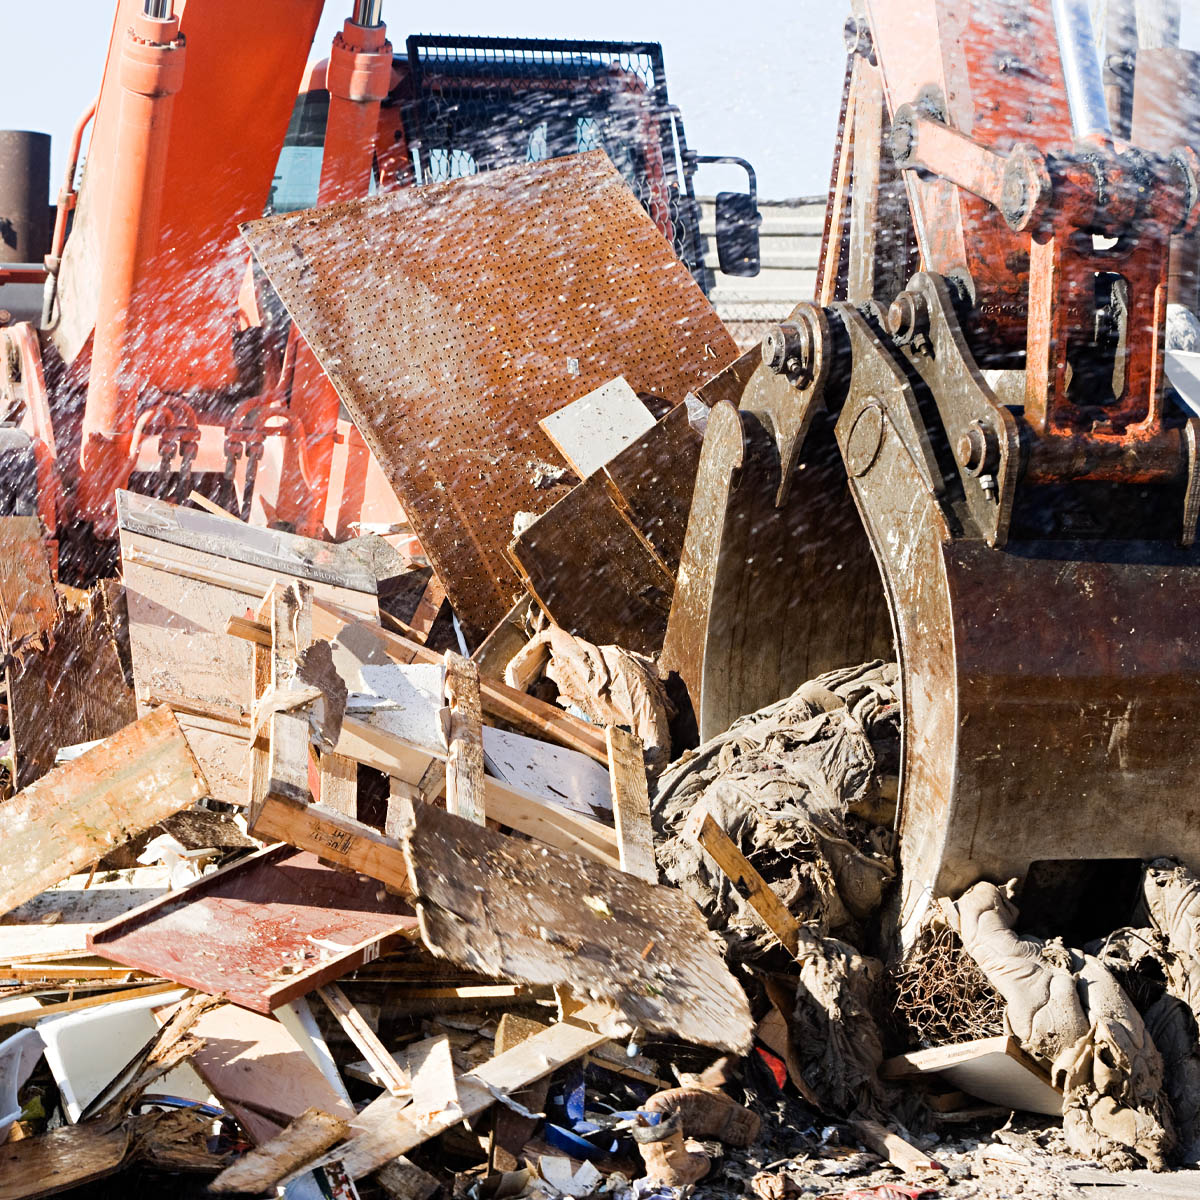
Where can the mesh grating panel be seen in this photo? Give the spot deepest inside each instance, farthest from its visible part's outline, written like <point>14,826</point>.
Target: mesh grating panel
<point>453,317</point>
<point>482,103</point>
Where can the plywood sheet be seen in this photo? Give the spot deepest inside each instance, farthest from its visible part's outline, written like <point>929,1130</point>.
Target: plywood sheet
<point>451,318</point>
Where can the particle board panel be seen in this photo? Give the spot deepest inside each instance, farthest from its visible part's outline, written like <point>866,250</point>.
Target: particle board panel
<point>587,566</point>
<point>486,902</point>
<point>451,318</point>
<point>260,932</point>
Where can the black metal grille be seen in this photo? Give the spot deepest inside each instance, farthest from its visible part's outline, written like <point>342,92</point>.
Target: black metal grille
<point>481,103</point>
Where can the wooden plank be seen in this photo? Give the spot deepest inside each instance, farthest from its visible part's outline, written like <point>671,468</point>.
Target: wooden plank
<point>386,1128</point>
<point>901,1154</point>
<point>260,1073</point>
<point>274,926</point>
<point>430,604</point>
<point>596,427</point>
<point>211,506</point>
<point>363,1036</point>
<point>486,900</point>
<point>702,829</point>
<point>308,1136</point>
<point>80,811</point>
<point>339,784</point>
<point>34,1012</point>
<point>464,763</point>
<point>994,1069</point>
<point>631,804</point>
<point>431,1069</point>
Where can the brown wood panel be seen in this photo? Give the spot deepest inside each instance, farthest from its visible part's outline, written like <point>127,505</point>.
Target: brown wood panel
<point>591,571</point>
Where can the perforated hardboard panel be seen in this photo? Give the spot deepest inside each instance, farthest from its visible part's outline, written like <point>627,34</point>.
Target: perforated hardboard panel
<point>451,318</point>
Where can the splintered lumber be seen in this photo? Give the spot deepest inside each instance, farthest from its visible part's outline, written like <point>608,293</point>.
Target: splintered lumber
<point>388,1127</point>
<point>701,828</point>
<point>995,1069</point>
<point>80,811</point>
<point>310,1134</point>
<point>394,1078</point>
<point>260,932</point>
<point>631,804</point>
<point>464,763</point>
<point>511,909</point>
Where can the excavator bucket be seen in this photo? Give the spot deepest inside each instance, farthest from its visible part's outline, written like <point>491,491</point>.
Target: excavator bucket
<point>982,449</point>
<point>1050,687</point>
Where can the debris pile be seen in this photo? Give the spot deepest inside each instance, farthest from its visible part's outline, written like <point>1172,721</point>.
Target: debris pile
<point>342,868</point>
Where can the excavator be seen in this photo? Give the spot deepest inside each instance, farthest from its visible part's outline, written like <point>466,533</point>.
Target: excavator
<point>960,454</point>
<point>161,361</point>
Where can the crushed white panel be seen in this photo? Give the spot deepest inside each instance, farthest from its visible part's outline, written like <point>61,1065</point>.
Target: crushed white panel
<point>564,777</point>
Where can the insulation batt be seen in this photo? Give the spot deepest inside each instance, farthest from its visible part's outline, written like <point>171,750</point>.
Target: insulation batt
<point>1067,1008</point>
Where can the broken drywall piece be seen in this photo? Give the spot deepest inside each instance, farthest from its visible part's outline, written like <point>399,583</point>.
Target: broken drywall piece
<point>560,775</point>
<point>994,1069</point>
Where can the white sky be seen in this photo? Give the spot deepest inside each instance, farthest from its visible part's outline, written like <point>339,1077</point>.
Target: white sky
<point>763,82</point>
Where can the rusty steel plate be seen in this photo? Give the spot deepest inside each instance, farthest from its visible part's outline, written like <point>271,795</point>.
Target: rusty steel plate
<point>453,317</point>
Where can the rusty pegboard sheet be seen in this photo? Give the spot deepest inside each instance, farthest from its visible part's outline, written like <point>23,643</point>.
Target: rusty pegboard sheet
<point>453,317</point>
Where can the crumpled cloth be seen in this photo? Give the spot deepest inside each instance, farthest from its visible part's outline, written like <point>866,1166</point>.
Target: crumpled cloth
<point>1068,1009</point>
<point>782,782</point>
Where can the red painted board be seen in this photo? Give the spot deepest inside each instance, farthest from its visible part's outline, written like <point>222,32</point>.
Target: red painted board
<point>261,932</point>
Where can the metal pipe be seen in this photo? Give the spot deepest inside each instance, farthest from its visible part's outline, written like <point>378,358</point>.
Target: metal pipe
<point>368,13</point>
<point>159,10</point>
<point>1081,69</point>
